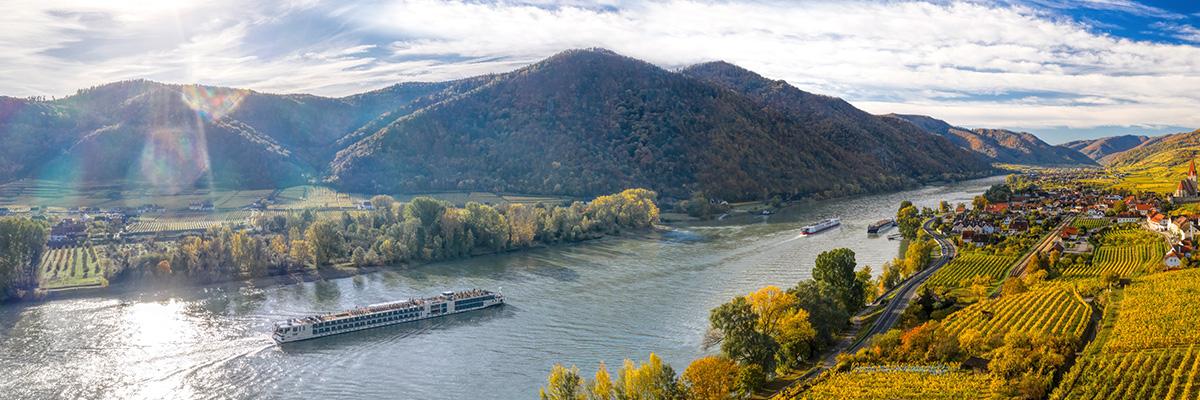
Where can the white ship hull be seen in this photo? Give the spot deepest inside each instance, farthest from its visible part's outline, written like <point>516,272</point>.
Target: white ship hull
<point>385,314</point>
<point>820,226</point>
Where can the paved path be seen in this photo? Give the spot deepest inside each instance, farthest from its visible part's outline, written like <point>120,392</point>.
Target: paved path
<point>891,312</point>
<point>908,290</point>
<point>1043,247</point>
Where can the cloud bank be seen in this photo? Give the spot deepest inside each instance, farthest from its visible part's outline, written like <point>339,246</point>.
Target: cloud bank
<point>976,64</point>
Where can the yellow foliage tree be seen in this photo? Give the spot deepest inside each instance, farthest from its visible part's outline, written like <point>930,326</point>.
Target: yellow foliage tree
<point>770,303</point>
<point>652,380</point>
<point>710,378</point>
<point>563,384</point>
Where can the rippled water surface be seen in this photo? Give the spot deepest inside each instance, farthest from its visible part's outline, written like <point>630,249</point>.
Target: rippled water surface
<point>603,300</point>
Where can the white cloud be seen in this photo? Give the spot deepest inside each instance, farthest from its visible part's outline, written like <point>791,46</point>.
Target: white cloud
<point>972,63</point>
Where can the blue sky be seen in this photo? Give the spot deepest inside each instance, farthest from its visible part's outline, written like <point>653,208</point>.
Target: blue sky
<point>1061,69</point>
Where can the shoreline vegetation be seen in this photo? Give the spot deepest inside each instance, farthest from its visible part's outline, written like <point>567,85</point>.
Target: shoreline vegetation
<point>308,245</point>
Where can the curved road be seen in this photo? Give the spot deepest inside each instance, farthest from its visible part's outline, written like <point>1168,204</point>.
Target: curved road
<point>891,313</point>
<point>908,290</point>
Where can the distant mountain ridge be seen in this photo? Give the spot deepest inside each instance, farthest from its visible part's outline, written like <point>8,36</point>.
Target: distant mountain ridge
<point>1103,150</point>
<point>579,123</point>
<point>1001,145</point>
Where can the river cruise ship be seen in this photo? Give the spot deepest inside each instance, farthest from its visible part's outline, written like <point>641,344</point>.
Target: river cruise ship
<point>384,314</point>
<point>880,225</point>
<point>820,226</point>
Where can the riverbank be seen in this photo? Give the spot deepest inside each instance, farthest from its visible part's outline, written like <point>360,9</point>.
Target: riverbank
<point>605,299</point>
<point>328,272</point>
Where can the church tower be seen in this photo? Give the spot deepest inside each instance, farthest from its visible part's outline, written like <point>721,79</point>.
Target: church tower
<point>1192,171</point>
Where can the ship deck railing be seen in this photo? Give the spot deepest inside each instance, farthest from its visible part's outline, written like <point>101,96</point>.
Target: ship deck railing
<point>466,294</point>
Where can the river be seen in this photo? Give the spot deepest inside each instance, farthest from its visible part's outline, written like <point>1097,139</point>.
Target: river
<point>608,299</point>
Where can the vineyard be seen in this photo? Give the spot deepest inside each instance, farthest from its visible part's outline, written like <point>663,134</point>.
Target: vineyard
<point>74,266</point>
<point>186,223</point>
<point>1126,260</point>
<point>1148,348</point>
<point>304,197</point>
<point>1158,311</point>
<point>1091,223</point>
<point>1149,374</point>
<point>966,266</point>
<point>901,383</point>
<point>1053,312</point>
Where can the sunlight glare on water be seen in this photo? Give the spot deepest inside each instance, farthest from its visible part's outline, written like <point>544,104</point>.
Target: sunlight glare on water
<point>605,300</point>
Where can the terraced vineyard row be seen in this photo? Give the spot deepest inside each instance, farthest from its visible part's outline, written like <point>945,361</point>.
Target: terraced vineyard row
<point>303,197</point>
<point>1125,260</point>
<point>1158,311</point>
<point>1149,374</point>
<point>967,266</point>
<point>198,222</point>
<point>901,384</point>
<point>1049,311</point>
<point>71,266</point>
<point>1091,223</point>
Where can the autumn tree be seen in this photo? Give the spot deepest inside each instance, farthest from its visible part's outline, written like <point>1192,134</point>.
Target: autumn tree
<point>652,380</point>
<point>324,241</point>
<point>563,384</point>
<point>709,378</point>
<point>796,338</point>
<point>601,386</point>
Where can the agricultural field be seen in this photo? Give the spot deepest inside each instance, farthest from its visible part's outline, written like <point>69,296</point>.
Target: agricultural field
<point>900,382</point>
<point>1128,252</point>
<point>305,197</point>
<point>967,266</point>
<point>1091,223</point>
<point>1158,311</point>
<point>1148,348</point>
<point>48,193</point>
<point>151,224</point>
<point>1150,374</point>
<point>460,199</point>
<point>1046,311</point>
<point>72,266</point>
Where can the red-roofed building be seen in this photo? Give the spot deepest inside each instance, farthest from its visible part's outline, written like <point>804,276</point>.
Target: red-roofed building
<point>997,208</point>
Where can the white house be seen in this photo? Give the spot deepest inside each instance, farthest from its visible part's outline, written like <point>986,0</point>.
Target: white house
<point>1172,260</point>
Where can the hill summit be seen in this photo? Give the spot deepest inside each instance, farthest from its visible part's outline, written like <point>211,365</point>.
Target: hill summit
<point>579,123</point>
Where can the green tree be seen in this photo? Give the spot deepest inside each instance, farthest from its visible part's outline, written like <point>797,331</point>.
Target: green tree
<point>22,242</point>
<point>736,323</point>
<point>834,274</point>
<point>750,378</point>
<point>908,220</point>
<point>487,226</point>
<point>425,210</point>
<point>324,241</point>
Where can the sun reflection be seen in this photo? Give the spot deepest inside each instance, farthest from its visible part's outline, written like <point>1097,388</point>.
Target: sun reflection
<point>173,159</point>
<point>155,331</point>
<point>212,103</point>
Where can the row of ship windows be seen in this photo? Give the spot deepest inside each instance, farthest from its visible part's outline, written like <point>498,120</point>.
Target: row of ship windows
<point>369,318</point>
<point>362,323</point>
<point>465,306</point>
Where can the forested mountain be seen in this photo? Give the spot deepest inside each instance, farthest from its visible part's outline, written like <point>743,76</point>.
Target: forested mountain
<point>1105,149</point>
<point>897,147</point>
<point>1000,145</point>
<point>585,121</point>
<point>1170,153</point>
<point>579,123</point>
